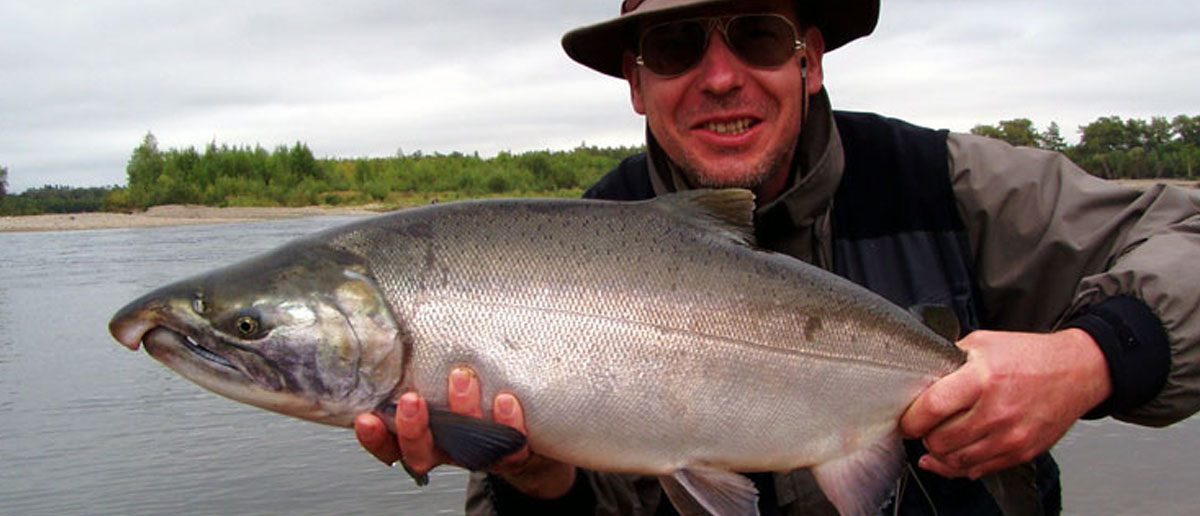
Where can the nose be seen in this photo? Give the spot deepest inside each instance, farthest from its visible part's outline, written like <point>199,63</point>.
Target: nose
<point>720,71</point>
<point>131,323</point>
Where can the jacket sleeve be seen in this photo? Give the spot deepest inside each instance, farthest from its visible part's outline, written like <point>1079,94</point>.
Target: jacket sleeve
<point>1055,247</point>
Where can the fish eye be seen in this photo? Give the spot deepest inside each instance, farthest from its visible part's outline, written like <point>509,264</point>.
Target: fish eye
<point>247,326</point>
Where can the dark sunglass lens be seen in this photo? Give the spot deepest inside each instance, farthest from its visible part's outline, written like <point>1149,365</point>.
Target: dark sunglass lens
<point>674,48</point>
<point>762,40</point>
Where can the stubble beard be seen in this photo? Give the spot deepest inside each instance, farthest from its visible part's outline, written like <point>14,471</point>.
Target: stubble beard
<point>748,175</point>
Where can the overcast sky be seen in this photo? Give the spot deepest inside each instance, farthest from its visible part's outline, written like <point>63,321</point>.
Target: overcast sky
<point>83,81</point>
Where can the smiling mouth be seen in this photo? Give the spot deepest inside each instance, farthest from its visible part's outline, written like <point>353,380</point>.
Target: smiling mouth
<point>733,127</point>
<point>166,336</point>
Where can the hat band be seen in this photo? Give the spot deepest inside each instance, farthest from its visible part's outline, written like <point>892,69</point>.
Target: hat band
<point>629,5</point>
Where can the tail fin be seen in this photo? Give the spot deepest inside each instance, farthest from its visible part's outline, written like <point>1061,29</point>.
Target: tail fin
<point>1015,490</point>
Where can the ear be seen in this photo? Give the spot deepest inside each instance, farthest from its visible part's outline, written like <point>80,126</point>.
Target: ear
<point>633,76</point>
<point>814,50</point>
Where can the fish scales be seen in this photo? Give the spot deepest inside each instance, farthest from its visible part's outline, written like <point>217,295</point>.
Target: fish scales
<point>640,337</point>
<point>624,323</point>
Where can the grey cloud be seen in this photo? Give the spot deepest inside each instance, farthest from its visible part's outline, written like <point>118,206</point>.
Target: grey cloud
<point>85,80</point>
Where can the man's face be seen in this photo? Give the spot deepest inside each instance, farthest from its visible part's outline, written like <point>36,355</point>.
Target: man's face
<point>727,123</point>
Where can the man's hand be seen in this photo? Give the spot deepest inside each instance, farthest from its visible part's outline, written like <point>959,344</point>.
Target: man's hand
<point>528,472</point>
<point>1016,396</point>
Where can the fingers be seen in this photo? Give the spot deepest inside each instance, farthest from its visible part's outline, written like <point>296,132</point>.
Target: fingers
<point>412,434</point>
<point>947,397</point>
<point>412,420</point>
<point>958,462</point>
<point>414,441</point>
<point>463,388</point>
<point>373,435</point>
<point>974,461</point>
<point>532,474</point>
<point>1017,395</point>
<point>507,410</point>
<point>943,417</point>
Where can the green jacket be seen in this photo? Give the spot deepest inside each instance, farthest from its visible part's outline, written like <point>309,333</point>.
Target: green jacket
<point>1046,242</point>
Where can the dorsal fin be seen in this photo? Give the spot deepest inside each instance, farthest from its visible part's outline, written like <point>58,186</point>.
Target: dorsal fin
<point>729,211</point>
<point>941,319</point>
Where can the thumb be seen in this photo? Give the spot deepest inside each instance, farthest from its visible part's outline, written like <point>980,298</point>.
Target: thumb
<point>954,393</point>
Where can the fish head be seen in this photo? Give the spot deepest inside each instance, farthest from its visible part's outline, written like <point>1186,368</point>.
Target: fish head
<point>303,330</point>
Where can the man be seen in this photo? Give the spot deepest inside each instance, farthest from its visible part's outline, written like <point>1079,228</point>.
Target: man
<point>1089,290</point>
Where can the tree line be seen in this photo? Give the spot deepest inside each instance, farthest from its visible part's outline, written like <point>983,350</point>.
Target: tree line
<point>56,199</point>
<point>1113,148</point>
<point>222,175</point>
<point>291,176</point>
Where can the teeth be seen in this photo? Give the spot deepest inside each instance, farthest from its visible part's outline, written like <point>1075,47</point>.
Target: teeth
<point>736,127</point>
<point>207,353</point>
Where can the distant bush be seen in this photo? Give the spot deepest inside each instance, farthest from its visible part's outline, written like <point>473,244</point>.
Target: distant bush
<point>291,176</point>
<point>1113,148</point>
<point>221,175</point>
<point>56,199</point>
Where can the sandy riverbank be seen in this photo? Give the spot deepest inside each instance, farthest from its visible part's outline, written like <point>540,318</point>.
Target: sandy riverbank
<point>175,214</point>
<point>169,215</point>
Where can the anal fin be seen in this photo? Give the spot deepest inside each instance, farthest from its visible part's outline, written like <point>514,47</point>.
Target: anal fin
<point>701,492</point>
<point>858,484</point>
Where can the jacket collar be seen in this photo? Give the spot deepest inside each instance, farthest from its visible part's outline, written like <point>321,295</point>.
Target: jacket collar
<point>815,174</point>
<point>796,222</point>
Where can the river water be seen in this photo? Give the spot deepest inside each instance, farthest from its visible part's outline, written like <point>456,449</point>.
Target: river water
<point>88,427</point>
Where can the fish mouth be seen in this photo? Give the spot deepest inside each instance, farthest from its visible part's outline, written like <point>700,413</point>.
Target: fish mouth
<point>165,343</point>
<point>160,336</point>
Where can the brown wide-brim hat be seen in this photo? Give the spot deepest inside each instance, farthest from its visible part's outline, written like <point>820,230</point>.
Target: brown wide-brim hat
<point>601,46</point>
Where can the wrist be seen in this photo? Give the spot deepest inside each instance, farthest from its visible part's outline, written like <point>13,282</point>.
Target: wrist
<point>1094,380</point>
<point>1135,347</point>
<point>542,478</point>
<point>507,498</point>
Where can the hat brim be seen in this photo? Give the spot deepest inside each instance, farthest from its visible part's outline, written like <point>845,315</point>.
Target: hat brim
<point>602,46</point>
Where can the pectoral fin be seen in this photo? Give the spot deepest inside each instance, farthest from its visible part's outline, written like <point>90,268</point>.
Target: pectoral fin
<point>473,442</point>
<point>702,492</point>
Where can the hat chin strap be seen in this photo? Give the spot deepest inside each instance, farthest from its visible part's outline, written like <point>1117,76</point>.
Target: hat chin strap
<point>803,91</point>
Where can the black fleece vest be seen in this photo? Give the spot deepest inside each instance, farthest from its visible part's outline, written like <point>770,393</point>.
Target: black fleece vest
<point>896,231</point>
<point>896,228</point>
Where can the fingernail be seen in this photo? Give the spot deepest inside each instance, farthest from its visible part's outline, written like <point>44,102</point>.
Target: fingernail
<point>409,405</point>
<point>506,406</point>
<point>460,381</point>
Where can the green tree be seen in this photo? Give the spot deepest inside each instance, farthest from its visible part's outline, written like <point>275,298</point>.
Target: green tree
<point>3,183</point>
<point>1105,134</point>
<point>1149,136</point>
<point>1187,129</point>
<point>1017,132</point>
<point>143,170</point>
<point>1052,139</point>
<point>989,131</point>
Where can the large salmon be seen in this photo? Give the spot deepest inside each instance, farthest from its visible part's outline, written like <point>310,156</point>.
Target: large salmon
<point>645,337</point>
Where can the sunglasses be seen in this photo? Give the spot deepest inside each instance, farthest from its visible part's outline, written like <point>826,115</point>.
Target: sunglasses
<point>761,40</point>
